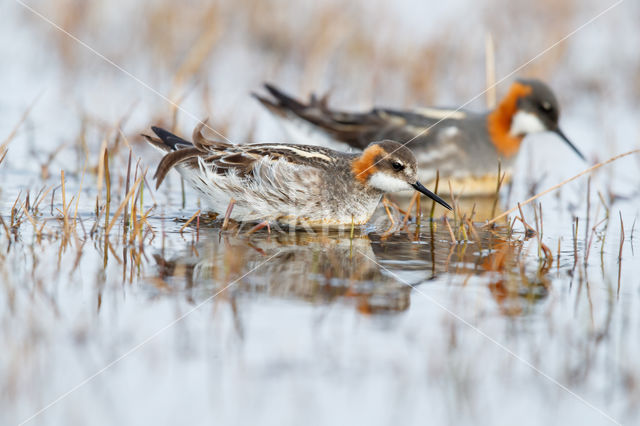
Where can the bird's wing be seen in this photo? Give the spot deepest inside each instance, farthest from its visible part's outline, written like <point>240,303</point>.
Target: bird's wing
<point>357,129</point>
<point>240,160</point>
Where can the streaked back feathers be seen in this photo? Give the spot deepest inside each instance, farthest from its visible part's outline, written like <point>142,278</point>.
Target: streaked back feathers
<point>225,158</point>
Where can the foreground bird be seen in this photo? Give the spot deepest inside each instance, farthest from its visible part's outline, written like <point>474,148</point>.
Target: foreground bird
<point>465,147</point>
<point>291,184</point>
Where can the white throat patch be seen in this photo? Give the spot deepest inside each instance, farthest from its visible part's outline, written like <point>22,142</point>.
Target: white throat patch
<point>388,183</point>
<point>524,123</point>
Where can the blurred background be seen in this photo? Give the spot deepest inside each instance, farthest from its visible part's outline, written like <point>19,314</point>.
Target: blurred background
<point>207,57</point>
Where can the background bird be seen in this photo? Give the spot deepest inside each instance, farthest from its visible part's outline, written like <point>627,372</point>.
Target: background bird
<point>464,146</point>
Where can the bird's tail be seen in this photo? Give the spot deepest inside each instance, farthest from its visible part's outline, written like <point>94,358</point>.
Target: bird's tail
<point>166,141</point>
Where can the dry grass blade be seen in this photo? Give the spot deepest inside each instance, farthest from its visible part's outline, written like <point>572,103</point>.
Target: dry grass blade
<point>65,215</point>
<point>107,179</point>
<point>590,241</point>
<point>472,230</point>
<point>558,256</point>
<point>189,221</point>
<point>75,213</point>
<point>127,183</point>
<point>499,183</point>
<point>31,219</point>
<point>548,259</point>
<point>39,200</point>
<point>418,211</point>
<point>435,191</point>
<point>415,197</point>
<point>227,215</point>
<point>490,70</point>
<point>101,157</point>
<point>620,252</point>
<point>454,204</point>
<point>453,237</point>
<point>4,154</point>
<point>386,203</point>
<point>6,228</point>
<point>122,205</point>
<point>575,243</point>
<point>554,187</point>
<point>529,231</point>
<point>268,226</point>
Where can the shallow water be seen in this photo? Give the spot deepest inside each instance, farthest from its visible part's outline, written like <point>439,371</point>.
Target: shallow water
<point>209,325</point>
<point>190,324</point>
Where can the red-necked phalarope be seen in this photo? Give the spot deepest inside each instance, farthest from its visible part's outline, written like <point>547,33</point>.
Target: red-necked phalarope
<point>464,146</point>
<point>292,184</point>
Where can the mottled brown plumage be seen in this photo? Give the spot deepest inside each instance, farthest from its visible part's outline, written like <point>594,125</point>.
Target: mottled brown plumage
<point>289,183</point>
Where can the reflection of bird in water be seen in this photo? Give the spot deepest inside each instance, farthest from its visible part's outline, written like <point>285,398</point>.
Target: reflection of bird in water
<point>492,254</point>
<point>376,274</point>
<point>317,269</point>
<point>515,288</point>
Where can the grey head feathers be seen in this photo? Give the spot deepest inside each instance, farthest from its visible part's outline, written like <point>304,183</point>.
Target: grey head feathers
<point>541,101</point>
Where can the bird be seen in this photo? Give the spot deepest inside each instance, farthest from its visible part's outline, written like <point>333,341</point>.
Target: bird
<point>466,148</point>
<point>296,185</point>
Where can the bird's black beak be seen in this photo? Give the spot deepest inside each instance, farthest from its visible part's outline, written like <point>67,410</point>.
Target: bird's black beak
<point>420,188</point>
<point>558,132</point>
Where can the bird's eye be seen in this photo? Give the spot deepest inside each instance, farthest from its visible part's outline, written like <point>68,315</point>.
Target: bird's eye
<point>545,106</point>
<point>397,166</point>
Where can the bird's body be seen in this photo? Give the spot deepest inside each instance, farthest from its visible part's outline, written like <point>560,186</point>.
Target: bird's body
<point>464,147</point>
<point>288,183</point>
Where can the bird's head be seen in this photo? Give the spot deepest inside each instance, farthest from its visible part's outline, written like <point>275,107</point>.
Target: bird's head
<point>389,166</point>
<point>537,110</point>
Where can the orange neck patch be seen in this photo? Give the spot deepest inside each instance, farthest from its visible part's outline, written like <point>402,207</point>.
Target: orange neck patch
<point>363,166</point>
<point>499,121</point>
